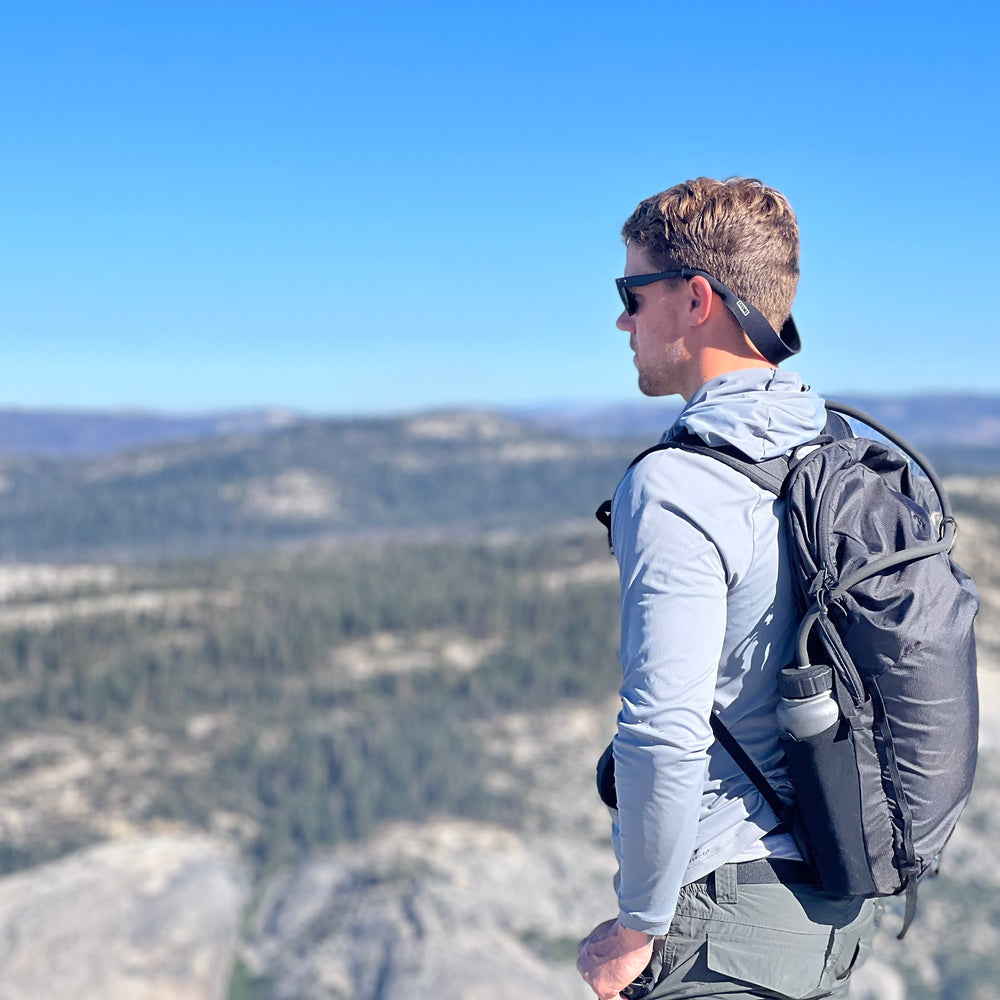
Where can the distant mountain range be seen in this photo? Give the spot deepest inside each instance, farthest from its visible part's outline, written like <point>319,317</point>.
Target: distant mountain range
<point>239,484</point>
<point>79,433</point>
<point>927,420</point>
<point>456,472</point>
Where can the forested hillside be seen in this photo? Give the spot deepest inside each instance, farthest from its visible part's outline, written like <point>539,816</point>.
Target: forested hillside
<point>300,700</point>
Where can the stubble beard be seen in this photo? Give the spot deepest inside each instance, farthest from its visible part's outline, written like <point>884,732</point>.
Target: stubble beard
<point>659,380</point>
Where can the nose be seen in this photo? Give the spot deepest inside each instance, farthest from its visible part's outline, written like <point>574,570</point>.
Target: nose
<point>625,323</point>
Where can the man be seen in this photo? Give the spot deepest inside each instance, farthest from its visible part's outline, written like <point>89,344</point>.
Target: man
<point>714,899</point>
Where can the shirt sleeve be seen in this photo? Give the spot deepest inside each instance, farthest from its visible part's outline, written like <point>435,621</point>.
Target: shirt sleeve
<point>673,593</point>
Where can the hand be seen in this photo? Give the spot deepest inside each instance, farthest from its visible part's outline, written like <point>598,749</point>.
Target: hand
<point>611,956</point>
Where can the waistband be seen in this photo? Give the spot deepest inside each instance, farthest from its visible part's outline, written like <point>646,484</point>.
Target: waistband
<point>764,871</point>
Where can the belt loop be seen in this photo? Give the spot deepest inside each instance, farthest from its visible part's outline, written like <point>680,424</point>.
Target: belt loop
<point>725,884</point>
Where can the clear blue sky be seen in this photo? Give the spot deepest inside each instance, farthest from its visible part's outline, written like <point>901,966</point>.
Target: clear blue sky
<point>391,206</point>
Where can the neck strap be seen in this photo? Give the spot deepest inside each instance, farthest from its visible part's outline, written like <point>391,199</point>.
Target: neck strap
<point>775,347</point>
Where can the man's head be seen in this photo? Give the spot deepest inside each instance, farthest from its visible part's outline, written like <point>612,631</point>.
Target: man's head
<point>733,247</point>
<point>739,231</point>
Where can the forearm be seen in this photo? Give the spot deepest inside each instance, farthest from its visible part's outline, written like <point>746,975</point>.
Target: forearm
<point>659,802</point>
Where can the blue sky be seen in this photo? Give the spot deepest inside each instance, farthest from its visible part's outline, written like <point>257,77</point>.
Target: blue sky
<point>341,209</point>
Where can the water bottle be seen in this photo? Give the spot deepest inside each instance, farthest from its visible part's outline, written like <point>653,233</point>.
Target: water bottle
<point>806,707</point>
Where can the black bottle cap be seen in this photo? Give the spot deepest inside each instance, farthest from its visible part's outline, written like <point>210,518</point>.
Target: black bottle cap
<point>804,682</point>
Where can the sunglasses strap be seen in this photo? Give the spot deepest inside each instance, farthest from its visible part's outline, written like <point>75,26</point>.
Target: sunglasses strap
<point>774,347</point>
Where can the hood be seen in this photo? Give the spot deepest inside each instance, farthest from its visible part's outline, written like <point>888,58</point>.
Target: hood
<point>761,411</point>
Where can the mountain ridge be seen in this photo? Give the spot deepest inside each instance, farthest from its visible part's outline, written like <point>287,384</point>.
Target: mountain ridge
<point>443,471</point>
<point>927,418</point>
<point>69,433</point>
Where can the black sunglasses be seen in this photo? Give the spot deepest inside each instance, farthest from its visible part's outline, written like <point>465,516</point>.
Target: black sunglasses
<point>775,347</point>
<point>625,285</point>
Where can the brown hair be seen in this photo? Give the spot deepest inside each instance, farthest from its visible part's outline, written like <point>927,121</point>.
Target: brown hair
<point>739,231</point>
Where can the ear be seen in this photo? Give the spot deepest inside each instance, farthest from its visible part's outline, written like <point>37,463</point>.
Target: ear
<point>699,301</point>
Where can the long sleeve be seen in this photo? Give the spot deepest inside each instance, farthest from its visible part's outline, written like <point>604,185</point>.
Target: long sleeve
<point>673,589</point>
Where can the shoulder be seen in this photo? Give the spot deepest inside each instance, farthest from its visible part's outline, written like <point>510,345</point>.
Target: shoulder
<point>691,480</point>
<point>679,501</point>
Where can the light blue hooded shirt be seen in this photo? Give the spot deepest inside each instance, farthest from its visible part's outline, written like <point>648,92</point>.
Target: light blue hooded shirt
<point>708,619</point>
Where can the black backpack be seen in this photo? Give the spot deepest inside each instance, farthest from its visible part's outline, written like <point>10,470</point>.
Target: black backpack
<point>880,791</point>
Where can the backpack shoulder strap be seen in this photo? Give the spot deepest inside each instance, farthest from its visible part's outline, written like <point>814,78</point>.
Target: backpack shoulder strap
<point>769,475</point>
<point>749,768</point>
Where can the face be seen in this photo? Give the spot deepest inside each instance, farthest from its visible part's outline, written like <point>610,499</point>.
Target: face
<point>655,329</point>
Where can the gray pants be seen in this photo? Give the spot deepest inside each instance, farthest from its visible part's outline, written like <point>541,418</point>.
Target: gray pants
<point>788,942</point>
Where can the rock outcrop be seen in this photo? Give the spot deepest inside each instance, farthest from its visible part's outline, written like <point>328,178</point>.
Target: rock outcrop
<point>152,918</point>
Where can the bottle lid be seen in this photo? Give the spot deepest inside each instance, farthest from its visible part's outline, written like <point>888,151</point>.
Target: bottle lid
<point>804,682</point>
